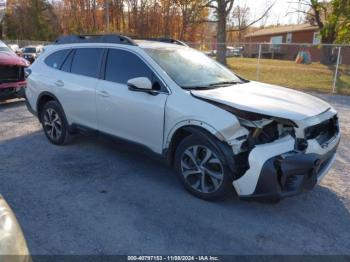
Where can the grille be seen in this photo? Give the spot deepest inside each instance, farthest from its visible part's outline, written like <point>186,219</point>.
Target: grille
<point>324,131</point>
<point>11,74</point>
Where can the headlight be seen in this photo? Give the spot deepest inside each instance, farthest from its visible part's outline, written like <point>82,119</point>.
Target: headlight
<point>266,130</point>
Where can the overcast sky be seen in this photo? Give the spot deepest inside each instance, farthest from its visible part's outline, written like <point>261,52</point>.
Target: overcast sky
<point>278,13</point>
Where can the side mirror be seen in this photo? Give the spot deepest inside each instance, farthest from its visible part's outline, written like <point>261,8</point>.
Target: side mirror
<point>141,84</point>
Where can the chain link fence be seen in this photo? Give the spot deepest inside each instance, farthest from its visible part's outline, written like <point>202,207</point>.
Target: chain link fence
<point>324,68</point>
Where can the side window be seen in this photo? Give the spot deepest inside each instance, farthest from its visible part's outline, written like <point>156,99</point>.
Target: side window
<point>87,61</point>
<point>55,60</point>
<point>122,65</point>
<point>67,64</point>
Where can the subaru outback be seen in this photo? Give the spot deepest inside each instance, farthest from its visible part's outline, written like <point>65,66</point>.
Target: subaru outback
<point>220,131</point>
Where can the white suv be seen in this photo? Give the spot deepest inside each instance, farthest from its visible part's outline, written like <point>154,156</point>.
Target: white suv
<point>217,129</point>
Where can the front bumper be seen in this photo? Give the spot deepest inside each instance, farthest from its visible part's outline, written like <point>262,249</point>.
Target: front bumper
<point>12,90</point>
<point>277,170</point>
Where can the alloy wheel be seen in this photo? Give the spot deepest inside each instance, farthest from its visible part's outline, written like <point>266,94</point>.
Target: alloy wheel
<point>202,169</point>
<point>52,124</point>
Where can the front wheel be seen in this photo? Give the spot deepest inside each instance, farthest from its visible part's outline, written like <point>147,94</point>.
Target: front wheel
<point>54,123</point>
<point>202,168</point>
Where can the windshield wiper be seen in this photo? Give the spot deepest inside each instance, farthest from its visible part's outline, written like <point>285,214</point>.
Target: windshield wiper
<point>223,83</point>
<point>212,86</point>
<point>197,87</point>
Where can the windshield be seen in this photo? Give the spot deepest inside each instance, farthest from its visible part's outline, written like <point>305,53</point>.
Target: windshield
<point>4,47</point>
<point>192,69</point>
<point>29,50</point>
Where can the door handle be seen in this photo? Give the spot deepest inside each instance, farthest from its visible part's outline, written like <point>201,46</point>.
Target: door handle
<point>103,93</point>
<point>59,83</point>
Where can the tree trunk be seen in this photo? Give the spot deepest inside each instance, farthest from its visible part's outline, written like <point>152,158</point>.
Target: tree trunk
<point>221,32</point>
<point>327,56</point>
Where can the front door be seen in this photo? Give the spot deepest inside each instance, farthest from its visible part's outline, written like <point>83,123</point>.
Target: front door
<point>135,116</point>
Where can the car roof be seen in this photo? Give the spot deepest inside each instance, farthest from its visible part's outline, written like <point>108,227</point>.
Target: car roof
<point>156,44</point>
<point>143,44</point>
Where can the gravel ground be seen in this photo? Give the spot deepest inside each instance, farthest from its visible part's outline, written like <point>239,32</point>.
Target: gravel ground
<point>98,197</point>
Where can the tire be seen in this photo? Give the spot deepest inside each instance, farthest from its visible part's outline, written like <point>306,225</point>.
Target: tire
<point>209,177</point>
<point>54,123</point>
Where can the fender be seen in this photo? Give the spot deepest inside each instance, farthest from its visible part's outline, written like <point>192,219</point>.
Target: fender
<point>204,130</point>
<point>46,93</point>
<point>192,122</point>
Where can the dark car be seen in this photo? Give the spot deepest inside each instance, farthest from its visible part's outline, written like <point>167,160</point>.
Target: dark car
<point>12,78</point>
<point>30,53</point>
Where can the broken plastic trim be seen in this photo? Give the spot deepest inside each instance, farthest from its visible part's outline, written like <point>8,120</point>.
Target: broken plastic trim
<point>251,116</point>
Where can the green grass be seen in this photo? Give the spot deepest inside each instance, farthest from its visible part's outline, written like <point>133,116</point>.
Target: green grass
<point>312,77</point>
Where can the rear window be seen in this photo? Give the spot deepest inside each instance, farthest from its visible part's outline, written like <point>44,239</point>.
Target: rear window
<point>29,50</point>
<point>87,61</point>
<point>55,60</point>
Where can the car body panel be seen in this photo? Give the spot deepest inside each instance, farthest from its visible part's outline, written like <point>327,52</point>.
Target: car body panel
<point>135,116</point>
<point>183,110</point>
<point>267,100</point>
<point>11,59</point>
<point>77,95</point>
<point>12,241</point>
<point>257,157</point>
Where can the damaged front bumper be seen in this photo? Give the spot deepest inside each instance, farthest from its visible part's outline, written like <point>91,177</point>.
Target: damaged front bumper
<point>277,170</point>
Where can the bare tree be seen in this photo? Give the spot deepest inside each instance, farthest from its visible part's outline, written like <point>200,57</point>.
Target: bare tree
<point>239,19</point>
<point>222,10</point>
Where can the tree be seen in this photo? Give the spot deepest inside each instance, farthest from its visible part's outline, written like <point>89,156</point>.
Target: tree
<point>222,9</point>
<point>333,20</point>
<point>191,13</point>
<point>31,19</point>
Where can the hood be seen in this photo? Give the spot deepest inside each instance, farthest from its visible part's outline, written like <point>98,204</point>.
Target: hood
<point>11,59</point>
<point>266,99</point>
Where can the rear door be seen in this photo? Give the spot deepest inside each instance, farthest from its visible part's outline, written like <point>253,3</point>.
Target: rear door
<point>135,116</point>
<point>77,85</point>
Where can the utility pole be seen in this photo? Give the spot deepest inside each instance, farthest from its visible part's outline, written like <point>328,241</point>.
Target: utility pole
<point>299,8</point>
<point>107,15</point>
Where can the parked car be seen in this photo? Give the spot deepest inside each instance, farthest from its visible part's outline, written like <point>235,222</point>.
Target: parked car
<point>230,52</point>
<point>30,53</point>
<point>234,51</point>
<point>218,130</point>
<point>12,78</point>
<point>12,242</point>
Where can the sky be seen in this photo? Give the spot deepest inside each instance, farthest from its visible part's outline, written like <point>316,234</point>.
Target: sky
<point>278,14</point>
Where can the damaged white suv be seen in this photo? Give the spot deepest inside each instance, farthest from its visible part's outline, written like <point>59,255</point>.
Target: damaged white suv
<point>218,130</point>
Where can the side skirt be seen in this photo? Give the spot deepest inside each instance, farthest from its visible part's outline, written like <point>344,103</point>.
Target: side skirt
<point>131,145</point>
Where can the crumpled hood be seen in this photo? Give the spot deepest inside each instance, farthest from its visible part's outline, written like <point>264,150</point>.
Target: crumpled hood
<point>11,59</point>
<point>266,99</point>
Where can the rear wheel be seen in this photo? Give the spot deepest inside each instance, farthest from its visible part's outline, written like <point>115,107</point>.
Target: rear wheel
<point>54,123</point>
<point>202,168</point>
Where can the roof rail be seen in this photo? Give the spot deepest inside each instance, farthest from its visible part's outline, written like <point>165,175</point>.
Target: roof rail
<point>110,38</point>
<point>165,40</point>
